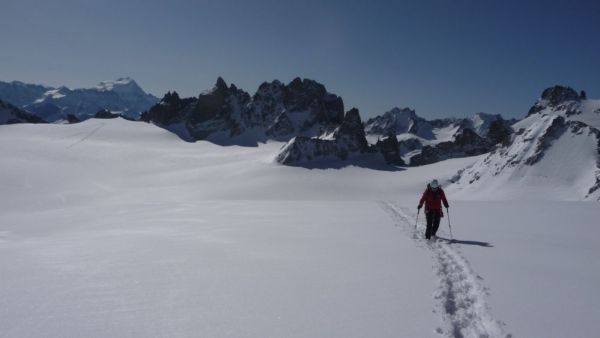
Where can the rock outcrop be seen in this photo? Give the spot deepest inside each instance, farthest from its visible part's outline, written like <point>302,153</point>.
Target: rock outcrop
<point>557,146</point>
<point>9,114</point>
<point>390,150</point>
<point>465,143</point>
<point>346,140</point>
<point>276,111</point>
<point>557,98</point>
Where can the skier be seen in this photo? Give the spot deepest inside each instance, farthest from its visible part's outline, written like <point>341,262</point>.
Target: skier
<point>433,198</point>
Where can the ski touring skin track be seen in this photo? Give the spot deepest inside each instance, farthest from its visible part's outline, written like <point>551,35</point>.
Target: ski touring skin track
<point>460,296</point>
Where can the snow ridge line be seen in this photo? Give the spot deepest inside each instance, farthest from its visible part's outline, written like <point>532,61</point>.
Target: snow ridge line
<point>460,295</point>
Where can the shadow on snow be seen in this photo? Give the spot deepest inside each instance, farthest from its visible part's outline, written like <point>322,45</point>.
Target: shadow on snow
<point>464,242</point>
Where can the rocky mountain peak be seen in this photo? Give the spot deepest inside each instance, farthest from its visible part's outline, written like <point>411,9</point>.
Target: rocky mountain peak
<point>170,98</point>
<point>220,84</point>
<point>398,121</point>
<point>348,139</point>
<point>555,97</point>
<point>120,85</point>
<point>559,94</point>
<point>352,123</point>
<point>406,111</point>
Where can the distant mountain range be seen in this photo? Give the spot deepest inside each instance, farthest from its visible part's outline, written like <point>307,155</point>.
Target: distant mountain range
<point>314,124</point>
<point>51,104</point>
<point>422,142</point>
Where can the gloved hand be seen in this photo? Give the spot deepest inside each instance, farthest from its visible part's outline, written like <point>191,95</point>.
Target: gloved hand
<point>419,207</point>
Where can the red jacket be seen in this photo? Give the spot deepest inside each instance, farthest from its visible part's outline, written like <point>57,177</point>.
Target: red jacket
<point>433,199</point>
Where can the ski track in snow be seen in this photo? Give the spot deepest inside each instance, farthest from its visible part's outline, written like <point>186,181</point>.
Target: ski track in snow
<point>460,295</point>
<point>98,127</point>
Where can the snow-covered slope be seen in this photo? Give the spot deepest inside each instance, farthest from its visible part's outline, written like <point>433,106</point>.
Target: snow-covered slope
<point>124,96</point>
<point>118,228</point>
<point>555,152</point>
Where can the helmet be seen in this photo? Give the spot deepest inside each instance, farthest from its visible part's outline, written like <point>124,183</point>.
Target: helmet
<point>434,184</point>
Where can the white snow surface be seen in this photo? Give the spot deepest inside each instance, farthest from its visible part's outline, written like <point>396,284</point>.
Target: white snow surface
<point>117,85</point>
<point>120,228</point>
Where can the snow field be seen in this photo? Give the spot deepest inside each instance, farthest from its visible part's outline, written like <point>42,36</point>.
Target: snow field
<point>461,298</point>
<point>119,228</point>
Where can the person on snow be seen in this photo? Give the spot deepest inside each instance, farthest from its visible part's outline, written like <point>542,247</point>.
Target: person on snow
<point>433,198</point>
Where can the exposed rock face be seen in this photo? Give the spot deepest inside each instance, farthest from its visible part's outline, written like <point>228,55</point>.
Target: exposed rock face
<point>390,150</point>
<point>399,121</point>
<point>169,110</point>
<point>351,132</point>
<point>499,131</point>
<point>347,139</point>
<point>465,143</point>
<point>559,94</point>
<point>9,114</point>
<point>105,114</point>
<point>268,105</point>
<point>555,97</point>
<point>276,111</point>
<point>219,110</point>
<point>310,96</point>
<point>72,119</point>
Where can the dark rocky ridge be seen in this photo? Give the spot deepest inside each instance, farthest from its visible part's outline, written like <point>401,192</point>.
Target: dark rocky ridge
<point>349,138</point>
<point>9,114</point>
<point>556,97</point>
<point>276,111</point>
<point>466,143</point>
<point>390,150</point>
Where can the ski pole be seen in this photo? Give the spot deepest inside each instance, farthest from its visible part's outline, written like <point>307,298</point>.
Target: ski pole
<point>449,226</point>
<point>417,219</point>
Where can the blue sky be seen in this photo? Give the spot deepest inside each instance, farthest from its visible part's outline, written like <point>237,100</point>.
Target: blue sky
<point>442,58</point>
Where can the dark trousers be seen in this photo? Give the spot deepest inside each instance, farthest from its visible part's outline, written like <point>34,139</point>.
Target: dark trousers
<point>433,222</point>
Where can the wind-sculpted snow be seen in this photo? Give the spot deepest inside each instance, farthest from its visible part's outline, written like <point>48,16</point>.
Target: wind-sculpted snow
<point>460,295</point>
